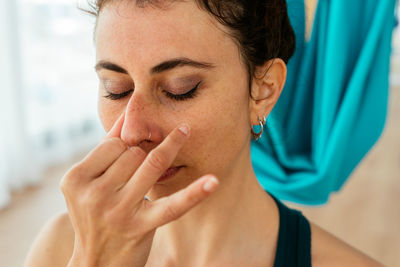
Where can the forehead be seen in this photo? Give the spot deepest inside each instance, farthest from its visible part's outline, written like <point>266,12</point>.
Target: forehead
<point>137,36</point>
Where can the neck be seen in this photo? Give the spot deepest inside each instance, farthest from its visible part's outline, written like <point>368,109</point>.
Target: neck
<point>238,222</point>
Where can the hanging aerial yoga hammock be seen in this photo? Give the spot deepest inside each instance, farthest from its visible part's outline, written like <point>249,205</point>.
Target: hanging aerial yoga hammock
<point>333,107</point>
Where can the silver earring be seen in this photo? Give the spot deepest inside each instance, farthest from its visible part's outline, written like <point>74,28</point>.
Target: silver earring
<point>149,136</point>
<point>262,122</point>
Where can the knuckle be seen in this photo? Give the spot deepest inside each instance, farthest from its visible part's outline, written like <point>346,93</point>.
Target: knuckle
<point>158,160</point>
<point>137,152</point>
<point>93,195</point>
<point>191,198</point>
<point>97,188</point>
<point>114,144</point>
<point>77,171</point>
<point>64,185</point>
<point>88,202</point>
<point>71,177</point>
<point>170,213</point>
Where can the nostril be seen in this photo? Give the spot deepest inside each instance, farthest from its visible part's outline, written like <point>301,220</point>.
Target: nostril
<point>147,141</point>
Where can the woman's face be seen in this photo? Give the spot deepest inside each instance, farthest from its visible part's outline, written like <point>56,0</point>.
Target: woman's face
<point>149,54</point>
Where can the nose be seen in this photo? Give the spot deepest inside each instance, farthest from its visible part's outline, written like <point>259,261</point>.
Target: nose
<point>139,123</point>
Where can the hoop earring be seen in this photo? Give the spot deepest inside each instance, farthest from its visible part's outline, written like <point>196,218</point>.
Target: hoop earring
<point>257,136</point>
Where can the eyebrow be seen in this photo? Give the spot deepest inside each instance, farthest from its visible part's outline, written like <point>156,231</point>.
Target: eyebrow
<point>164,66</point>
<point>109,66</point>
<point>179,62</point>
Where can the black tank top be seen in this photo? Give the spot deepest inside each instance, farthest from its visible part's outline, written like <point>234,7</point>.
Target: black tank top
<point>294,238</point>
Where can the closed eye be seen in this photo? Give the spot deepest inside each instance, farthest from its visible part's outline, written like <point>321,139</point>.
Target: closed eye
<point>117,96</point>
<point>190,94</point>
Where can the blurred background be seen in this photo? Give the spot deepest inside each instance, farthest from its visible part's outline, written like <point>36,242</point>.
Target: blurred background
<point>49,121</point>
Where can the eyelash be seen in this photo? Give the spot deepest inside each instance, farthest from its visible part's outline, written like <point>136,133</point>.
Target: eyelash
<point>117,96</point>
<point>182,97</point>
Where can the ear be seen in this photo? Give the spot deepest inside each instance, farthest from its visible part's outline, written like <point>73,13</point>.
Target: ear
<point>267,84</point>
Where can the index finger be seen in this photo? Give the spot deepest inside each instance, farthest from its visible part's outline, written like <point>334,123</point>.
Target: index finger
<point>157,162</point>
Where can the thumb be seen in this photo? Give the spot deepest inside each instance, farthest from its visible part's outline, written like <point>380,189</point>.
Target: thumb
<point>117,127</point>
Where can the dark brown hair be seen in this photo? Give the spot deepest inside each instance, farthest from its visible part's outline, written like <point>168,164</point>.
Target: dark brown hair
<point>261,28</point>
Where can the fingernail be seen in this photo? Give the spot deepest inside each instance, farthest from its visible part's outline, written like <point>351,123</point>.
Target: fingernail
<point>211,184</point>
<point>184,129</point>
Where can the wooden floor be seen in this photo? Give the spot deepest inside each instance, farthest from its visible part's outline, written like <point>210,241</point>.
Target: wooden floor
<point>366,213</point>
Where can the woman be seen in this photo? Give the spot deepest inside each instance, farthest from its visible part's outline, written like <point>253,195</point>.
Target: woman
<point>181,84</point>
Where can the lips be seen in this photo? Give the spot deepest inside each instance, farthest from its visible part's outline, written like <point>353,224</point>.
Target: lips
<point>169,173</point>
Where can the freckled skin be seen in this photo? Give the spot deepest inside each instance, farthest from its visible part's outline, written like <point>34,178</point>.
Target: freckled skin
<point>219,116</point>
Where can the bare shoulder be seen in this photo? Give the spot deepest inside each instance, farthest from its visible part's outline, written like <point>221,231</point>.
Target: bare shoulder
<point>54,244</point>
<point>328,250</point>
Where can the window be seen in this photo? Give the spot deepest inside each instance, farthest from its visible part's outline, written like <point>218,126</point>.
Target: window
<point>49,88</point>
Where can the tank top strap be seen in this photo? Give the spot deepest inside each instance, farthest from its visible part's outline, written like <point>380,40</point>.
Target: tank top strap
<point>294,238</point>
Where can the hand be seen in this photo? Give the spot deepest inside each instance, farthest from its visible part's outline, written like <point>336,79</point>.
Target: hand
<point>113,224</point>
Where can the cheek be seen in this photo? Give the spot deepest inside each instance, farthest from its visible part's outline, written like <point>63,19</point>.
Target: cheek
<point>220,131</point>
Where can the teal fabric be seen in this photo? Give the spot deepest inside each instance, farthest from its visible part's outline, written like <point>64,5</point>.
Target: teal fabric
<point>334,105</point>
